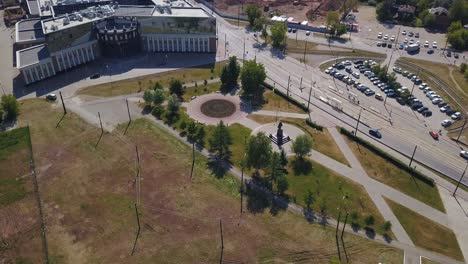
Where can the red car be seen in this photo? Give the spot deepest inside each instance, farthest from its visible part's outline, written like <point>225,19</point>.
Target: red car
<point>434,135</point>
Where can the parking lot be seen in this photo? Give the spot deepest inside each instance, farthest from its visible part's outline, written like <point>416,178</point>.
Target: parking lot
<point>365,89</point>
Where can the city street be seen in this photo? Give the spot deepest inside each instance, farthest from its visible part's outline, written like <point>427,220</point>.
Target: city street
<point>404,132</point>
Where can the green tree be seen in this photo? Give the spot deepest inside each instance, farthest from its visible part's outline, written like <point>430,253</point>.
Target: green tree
<point>148,96</point>
<point>284,158</point>
<point>429,21</point>
<point>340,29</point>
<point>230,73</point>
<point>252,76</point>
<point>259,151</point>
<point>457,36</point>
<point>158,96</point>
<point>278,34</point>
<point>10,107</point>
<point>309,199</point>
<point>274,169</point>
<point>369,220</point>
<point>158,86</point>
<point>265,34</point>
<point>387,226</point>
<point>459,11</point>
<point>354,216</point>
<point>220,141</point>
<point>384,10</point>
<point>173,105</point>
<point>259,23</point>
<point>463,67</point>
<point>253,12</point>
<point>176,87</point>
<point>333,18</point>
<point>191,130</point>
<point>200,134</point>
<point>282,184</point>
<point>466,76</point>
<point>302,146</point>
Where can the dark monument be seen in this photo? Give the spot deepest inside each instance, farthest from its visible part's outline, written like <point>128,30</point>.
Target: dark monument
<point>280,138</point>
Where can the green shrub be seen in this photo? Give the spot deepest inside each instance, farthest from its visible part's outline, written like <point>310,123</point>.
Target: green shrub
<point>157,111</point>
<point>388,157</point>
<point>314,125</point>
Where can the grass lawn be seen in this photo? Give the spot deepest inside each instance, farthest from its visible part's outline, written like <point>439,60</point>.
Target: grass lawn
<point>200,89</point>
<point>323,142</point>
<point>329,189</point>
<point>383,171</point>
<point>93,221</point>
<point>132,85</point>
<point>19,215</point>
<point>274,102</point>
<point>425,233</point>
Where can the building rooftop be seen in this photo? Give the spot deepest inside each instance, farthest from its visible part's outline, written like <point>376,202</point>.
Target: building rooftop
<point>31,55</point>
<point>33,8</point>
<point>160,11</point>
<point>88,15</point>
<point>29,30</point>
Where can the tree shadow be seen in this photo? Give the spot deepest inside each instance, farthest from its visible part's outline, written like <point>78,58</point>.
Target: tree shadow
<point>146,110</point>
<point>370,233</point>
<point>257,199</point>
<point>355,227</point>
<point>387,238</point>
<point>279,204</point>
<point>309,215</point>
<point>301,166</point>
<point>217,167</point>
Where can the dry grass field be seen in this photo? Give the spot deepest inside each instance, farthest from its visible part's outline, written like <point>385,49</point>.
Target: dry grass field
<point>89,194</point>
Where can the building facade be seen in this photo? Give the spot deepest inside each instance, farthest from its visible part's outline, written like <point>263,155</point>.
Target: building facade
<point>113,31</point>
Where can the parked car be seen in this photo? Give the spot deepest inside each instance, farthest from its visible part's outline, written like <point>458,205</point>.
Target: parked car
<point>401,100</point>
<point>436,101</point>
<point>450,112</point>
<point>427,113</point>
<point>307,33</point>
<point>356,75</point>
<point>375,133</point>
<point>51,97</point>
<point>369,92</point>
<point>434,135</point>
<point>348,70</point>
<point>456,116</point>
<point>379,97</point>
<point>446,123</point>
<point>397,69</point>
<point>445,108</point>
<point>422,109</point>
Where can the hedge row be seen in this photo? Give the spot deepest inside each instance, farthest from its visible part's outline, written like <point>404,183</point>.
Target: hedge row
<point>290,99</point>
<point>314,125</point>
<point>388,157</point>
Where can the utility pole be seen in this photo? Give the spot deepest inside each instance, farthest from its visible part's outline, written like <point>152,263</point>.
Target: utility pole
<point>461,130</point>
<point>359,118</point>
<point>393,50</point>
<point>193,160</point>
<point>238,16</point>
<point>300,85</point>
<point>100,122</point>
<point>345,221</point>
<point>414,82</point>
<point>63,103</point>
<point>243,54</point>
<point>458,183</point>
<point>128,111</point>
<point>336,233</point>
<point>305,48</point>
<point>138,176</point>
<point>289,80</point>
<point>225,44</point>
<point>138,230</point>
<point>310,94</point>
<point>412,156</point>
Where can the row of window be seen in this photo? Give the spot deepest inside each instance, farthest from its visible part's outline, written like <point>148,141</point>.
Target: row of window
<point>39,72</point>
<point>177,44</point>
<point>71,58</point>
<point>111,37</point>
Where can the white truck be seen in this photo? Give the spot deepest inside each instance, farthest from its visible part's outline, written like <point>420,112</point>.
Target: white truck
<point>412,48</point>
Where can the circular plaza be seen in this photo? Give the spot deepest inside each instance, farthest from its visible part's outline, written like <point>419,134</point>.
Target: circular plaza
<point>210,109</point>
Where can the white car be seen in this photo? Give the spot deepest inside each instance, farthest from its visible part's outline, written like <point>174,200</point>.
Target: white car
<point>404,32</point>
<point>405,41</point>
<point>426,44</point>
<point>379,35</point>
<point>434,44</point>
<point>444,109</point>
<point>347,62</point>
<point>436,100</point>
<point>385,37</point>
<point>446,123</point>
<point>456,116</point>
<point>356,75</point>
<point>392,38</point>
<point>307,33</point>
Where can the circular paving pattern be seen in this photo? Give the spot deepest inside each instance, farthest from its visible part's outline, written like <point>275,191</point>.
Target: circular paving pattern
<point>209,109</point>
<point>218,108</point>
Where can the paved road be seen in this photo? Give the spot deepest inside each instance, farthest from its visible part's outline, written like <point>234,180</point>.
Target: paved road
<point>281,68</point>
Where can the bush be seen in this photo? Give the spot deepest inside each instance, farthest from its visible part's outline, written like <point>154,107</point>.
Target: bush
<point>314,125</point>
<point>157,111</point>
<point>463,67</point>
<point>388,157</point>
<point>372,3</point>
